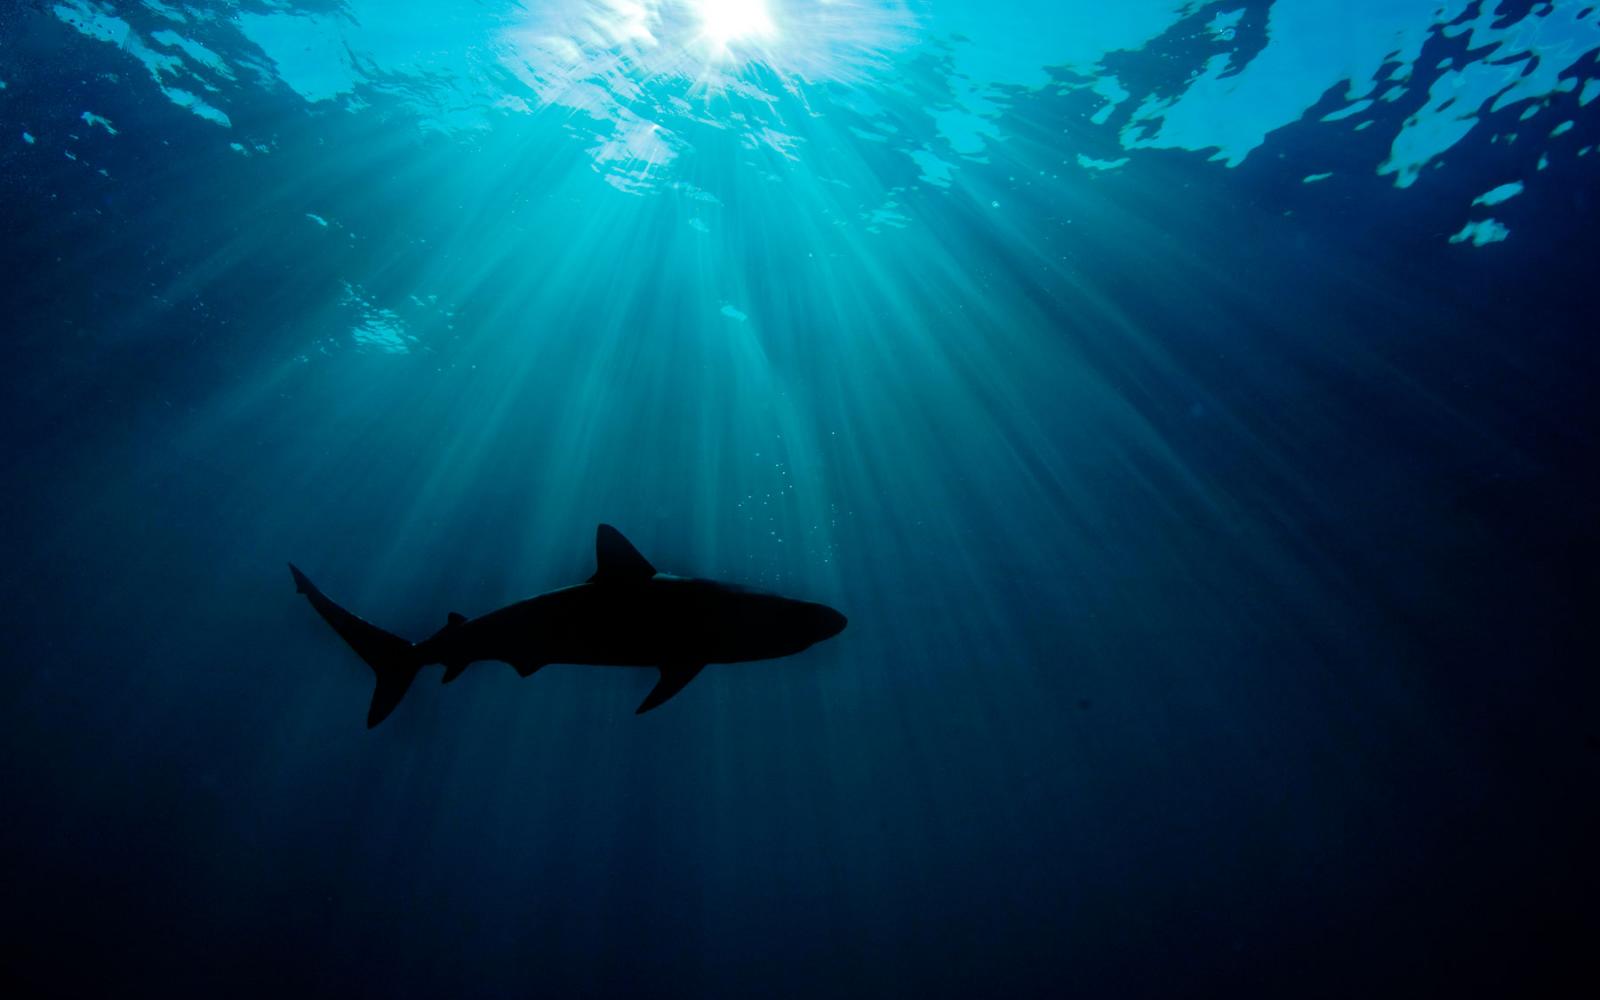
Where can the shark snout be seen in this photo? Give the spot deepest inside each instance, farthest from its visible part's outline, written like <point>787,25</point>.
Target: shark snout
<point>829,622</point>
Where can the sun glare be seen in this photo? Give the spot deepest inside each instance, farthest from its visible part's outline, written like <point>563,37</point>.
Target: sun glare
<point>725,21</point>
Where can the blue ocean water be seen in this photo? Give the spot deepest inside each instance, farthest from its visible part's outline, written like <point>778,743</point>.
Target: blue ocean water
<point>1190,404</point>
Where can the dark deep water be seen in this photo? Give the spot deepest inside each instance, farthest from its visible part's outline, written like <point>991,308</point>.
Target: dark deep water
<point>1219,548</point>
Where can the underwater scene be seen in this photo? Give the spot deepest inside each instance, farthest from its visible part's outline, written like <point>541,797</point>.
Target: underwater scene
<point>1086,499</point>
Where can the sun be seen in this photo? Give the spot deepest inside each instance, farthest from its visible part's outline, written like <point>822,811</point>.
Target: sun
<point>725,21</point>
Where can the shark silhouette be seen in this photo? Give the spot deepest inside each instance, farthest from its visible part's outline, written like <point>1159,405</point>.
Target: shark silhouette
<point>625,615</point>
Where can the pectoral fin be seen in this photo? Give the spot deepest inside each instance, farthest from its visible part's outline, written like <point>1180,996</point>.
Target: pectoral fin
<point>674,676</point>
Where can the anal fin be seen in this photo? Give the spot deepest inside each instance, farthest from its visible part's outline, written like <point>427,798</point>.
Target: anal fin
<point>674,677</point>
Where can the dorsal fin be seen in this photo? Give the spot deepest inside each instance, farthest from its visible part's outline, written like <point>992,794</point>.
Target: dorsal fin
<point>454,618</point>
<point>616,560</point>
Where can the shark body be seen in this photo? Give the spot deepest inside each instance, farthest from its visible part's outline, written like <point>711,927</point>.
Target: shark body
<point>626,615</point>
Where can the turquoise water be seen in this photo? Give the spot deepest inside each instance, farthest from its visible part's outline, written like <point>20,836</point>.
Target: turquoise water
<point>1188,403</point>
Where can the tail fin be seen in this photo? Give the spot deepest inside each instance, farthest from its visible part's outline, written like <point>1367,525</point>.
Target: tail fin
<point>391,658</point>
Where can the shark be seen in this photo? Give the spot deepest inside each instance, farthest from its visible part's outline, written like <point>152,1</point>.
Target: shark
<point>626,615</point>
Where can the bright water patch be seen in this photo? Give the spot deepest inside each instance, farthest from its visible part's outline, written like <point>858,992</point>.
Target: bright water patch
<point>1481,233</point>
<point>92,120</point>
<point>1503,193</point>
<point>308,52</point>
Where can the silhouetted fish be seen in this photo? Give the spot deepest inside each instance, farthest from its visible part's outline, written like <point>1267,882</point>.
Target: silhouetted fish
<point>625,615</point>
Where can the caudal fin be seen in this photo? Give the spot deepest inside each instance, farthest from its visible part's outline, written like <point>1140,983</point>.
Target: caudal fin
<point>391,658</point>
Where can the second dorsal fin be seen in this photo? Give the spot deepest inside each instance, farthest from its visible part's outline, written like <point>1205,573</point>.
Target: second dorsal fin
<point>454,618</point>
<point>616,560</point>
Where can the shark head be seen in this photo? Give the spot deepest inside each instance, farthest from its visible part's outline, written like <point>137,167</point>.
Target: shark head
<point>796,625</point>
